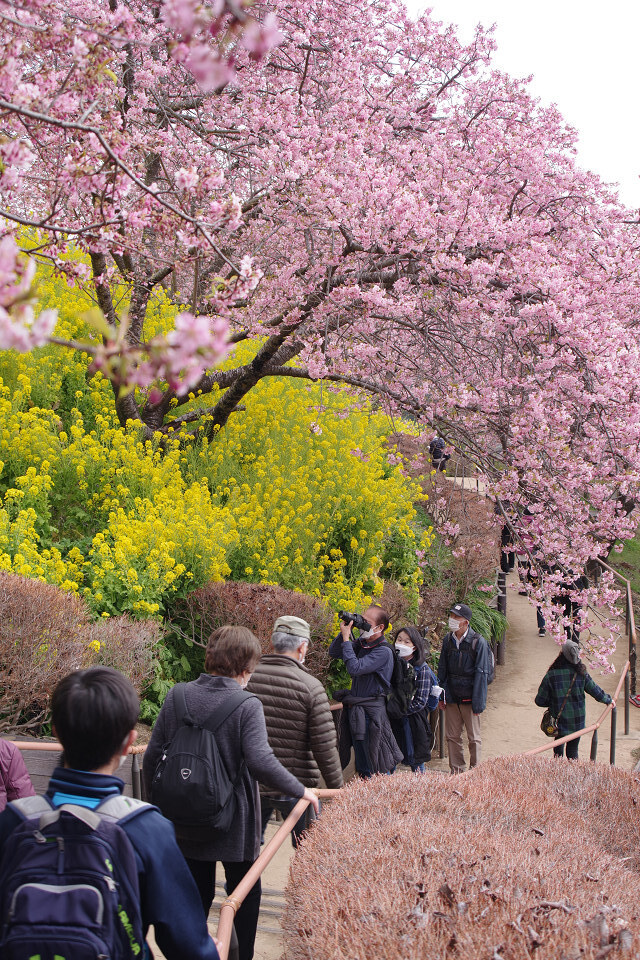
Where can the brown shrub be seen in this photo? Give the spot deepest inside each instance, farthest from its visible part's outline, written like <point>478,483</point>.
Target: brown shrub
<point>517,858</point>
<point>394,601</point>
<point>126,645</point>
<point>44,635</point>
<point>256,606</point>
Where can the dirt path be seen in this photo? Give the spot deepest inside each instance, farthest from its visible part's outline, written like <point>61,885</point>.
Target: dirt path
<point>510,724</point>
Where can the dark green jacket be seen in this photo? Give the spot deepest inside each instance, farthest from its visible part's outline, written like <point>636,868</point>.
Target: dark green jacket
<point>554,687</point>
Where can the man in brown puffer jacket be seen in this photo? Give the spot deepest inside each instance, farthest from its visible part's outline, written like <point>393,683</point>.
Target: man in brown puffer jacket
<point>300,727</point>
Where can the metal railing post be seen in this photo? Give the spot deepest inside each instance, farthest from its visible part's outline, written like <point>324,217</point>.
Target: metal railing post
<point>136,787</point>
<point>612,745</point>
<point>594,746</point>
<point>502,592</point>
<point>626,704</point>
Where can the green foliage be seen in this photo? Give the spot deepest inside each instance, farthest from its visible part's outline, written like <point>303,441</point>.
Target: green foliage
<point>486,620</point>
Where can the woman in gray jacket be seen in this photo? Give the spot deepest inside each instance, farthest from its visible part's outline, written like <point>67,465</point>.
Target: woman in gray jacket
<point>231,656</point>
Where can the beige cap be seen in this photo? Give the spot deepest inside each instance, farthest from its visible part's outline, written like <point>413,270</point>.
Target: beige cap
<point>293,625</point>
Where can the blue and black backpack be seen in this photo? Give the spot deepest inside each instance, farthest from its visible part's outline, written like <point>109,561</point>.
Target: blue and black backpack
<point>69,883</point>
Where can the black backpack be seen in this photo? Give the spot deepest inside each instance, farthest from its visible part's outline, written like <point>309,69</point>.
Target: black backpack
<point>191,785</point>
<point>403,687</point>
<point>492,659</point>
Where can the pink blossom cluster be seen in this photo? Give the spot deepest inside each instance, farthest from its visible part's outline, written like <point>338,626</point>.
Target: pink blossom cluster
<point>20,328</point>
<point>195,343</point>
<point>204,31</point>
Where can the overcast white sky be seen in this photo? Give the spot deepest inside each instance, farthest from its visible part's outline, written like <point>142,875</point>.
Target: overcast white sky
<point>584,56</point>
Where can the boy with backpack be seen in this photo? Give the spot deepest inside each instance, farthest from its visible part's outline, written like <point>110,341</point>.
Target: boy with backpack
<point>84,871</point>
<point>465,669</point>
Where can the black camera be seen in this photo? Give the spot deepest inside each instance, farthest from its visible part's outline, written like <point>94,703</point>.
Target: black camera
<point>358,620</point>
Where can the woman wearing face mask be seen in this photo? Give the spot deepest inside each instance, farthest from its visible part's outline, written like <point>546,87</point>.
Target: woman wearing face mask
<point>231,656</point>
<point>413,732</point>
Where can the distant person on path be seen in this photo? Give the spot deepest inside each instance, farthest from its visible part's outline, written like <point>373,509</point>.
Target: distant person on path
<point>439,458</point>
<point>94,713</point>
<point>231,657</point>
<point>300,727</point>
<point>562,690</point>
<point>463,673</point>
<point>570,606</point>
<point>15,782</point>
<point>364,723</point>
<point>413,732</point>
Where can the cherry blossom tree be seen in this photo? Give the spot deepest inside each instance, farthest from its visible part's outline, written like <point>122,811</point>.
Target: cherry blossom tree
<point>98,154</point>
<point>364,198</point>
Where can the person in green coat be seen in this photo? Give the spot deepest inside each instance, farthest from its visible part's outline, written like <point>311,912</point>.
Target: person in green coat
<point>562,690</point>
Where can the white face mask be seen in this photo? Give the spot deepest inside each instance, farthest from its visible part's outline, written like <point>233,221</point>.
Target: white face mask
<point>365,634</point>
<point>244,681</point>
<point>454,624</point>
<point>404,650</point>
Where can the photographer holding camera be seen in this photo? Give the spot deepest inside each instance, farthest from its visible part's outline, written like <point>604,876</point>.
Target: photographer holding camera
<point>364,723</point>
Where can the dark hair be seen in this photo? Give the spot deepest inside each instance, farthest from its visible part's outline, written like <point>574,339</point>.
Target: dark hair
<point>419,656</point>
<point>561,663</point>
<point>92,711</point>
<point>382,616</point>
<point>231,650</point>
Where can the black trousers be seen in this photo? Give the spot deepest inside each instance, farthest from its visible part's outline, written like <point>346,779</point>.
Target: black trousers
<point>246,922</point>
<point>572,749</point>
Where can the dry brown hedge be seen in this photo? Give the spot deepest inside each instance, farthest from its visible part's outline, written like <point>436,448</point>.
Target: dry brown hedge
<point>255,606</point>
<point>45,634</point>
<point>519,858</point>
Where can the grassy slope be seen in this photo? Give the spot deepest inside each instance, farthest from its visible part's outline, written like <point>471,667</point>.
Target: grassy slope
<point>628,562</point>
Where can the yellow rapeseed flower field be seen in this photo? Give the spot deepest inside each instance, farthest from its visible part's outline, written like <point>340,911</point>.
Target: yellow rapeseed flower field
<point>297,490</point>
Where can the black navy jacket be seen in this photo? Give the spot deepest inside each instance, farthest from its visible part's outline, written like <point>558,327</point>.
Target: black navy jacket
<point>464,673</point>
<point>370,669</point>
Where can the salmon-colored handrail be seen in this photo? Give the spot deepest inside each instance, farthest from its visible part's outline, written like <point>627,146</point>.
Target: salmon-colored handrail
<point>230,906</point>
<point>590,729</point>
<point>632,619</point>
<point>55,746</point>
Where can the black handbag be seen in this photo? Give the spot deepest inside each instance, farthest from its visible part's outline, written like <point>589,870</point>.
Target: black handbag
<point>549,723</point>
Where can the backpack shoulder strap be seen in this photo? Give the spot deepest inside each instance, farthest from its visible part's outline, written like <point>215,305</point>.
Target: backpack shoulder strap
<point>225,710</point>
<point>182,711</point>
<point>118,809</point>
<point>30,808</point>
<point>39,808</point>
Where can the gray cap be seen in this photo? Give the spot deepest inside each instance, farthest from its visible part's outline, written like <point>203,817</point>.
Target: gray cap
<point>462,610</point>
<point>571,651</point>
<point>293,625</point>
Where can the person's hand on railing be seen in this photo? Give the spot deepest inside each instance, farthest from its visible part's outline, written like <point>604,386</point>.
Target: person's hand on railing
<point>312,798</point>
